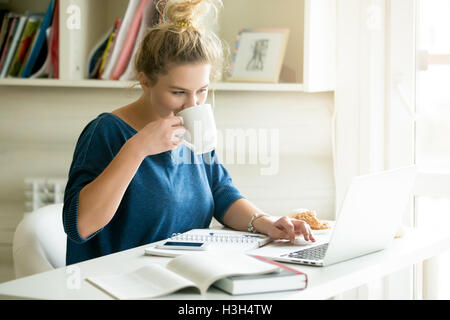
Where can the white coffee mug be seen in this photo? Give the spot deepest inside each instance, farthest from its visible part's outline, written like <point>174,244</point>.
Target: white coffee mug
<point>201,132</point>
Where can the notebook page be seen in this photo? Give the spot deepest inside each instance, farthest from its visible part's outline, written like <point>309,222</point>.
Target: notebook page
<point>224,238</point>
<point>205,268</point>
<point>146,282</point>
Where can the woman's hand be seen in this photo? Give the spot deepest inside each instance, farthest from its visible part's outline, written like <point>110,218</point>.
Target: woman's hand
<point>289,228</point>
<point>160,136</point>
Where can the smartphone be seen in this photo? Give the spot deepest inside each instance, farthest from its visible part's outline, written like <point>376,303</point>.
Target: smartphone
<point>183,245</point>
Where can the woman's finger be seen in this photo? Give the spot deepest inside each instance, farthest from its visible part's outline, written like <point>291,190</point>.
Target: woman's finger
<point>176,140</point>
<point>302,228</point>
<point>176,121</point>
<point>287,226</point>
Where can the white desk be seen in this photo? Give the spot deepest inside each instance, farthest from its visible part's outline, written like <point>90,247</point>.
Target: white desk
<point>324,282</point>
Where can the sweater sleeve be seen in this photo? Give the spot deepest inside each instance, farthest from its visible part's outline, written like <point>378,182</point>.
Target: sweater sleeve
<point>96,147</point>
<point>78,178</point>
<point>224,191</point>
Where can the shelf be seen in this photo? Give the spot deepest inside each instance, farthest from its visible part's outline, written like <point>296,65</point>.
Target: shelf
<point>221,86</point>
<point>65,83</point>
<point>242,86</point>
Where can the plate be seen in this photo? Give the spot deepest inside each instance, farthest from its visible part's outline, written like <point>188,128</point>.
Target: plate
<point>321,231</point>
<point>324,231</point>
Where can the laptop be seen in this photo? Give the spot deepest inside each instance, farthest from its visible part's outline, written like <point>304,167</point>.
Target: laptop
<point>367,222</point>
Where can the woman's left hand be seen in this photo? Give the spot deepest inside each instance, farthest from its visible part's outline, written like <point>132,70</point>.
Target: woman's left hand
<point>289,228</point>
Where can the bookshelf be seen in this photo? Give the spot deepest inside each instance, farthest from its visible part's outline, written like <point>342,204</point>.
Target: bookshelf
<point>309,63</point>
<point>90,83</point>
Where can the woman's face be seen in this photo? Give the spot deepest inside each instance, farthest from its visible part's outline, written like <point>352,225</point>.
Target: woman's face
<point>182,87</point>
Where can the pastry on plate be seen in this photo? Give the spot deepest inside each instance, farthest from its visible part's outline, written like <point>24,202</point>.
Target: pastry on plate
<point>310,218</point>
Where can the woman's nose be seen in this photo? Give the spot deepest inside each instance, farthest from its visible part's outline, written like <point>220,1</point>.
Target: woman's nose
<point>192,101</point>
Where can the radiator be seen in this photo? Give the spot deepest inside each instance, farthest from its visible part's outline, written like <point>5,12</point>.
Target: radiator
<point>43,191</point>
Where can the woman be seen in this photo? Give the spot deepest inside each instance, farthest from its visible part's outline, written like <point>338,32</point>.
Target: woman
<point>124,189</point>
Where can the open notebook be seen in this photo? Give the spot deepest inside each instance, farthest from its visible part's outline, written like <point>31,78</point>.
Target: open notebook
<point>217,239</point>
<point>198,271</point>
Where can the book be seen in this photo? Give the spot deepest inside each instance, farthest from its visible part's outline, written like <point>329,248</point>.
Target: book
<point>197,271</point>
<point>4,31</point>
<point>3,13</point>
<point>218,240</point>
<point>53,43</point>
<point>285,279</point>
<point>109,45</point>
<point>128,46</point>
<point>25,43</point>
<point>13,45</point>
<point>120,40</point>
<point>42,67</point>
<point>8,38</point>
<point>30,48</point>
<point>39,42</point>
<point>96,55</point>
<point>149,19</point>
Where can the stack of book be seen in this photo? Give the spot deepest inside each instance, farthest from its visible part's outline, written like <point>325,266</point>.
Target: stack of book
<point>113,55</point>
<point>29,43</point>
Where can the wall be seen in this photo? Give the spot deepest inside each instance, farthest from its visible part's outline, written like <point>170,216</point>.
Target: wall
<point>39,127</point>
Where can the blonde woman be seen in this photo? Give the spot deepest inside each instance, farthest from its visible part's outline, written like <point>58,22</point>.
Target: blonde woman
<point>124,189</point>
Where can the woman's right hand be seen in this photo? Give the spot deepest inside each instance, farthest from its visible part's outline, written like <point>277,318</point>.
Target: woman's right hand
<point>160,136</point>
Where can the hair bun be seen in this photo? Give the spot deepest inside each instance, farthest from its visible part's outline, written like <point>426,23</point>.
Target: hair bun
<point>186,13</point>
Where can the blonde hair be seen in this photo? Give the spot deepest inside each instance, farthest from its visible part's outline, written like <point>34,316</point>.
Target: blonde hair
<point>181,39</point>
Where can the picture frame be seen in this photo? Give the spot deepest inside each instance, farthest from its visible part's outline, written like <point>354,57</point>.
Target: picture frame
<point>258,55</point>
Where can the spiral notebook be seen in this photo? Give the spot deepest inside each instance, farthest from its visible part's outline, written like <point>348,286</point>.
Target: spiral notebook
<point>217,239</point>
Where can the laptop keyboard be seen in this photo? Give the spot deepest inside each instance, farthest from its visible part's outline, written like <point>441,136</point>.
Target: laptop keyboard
<point>314,253</point>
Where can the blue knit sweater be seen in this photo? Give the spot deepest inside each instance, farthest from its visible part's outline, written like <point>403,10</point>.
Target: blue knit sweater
<point>171,192</point>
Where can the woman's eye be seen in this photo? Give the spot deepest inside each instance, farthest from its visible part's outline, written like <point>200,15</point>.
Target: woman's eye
<point>177,92</point>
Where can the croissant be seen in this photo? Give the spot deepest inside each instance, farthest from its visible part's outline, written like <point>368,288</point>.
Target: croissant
<point>310,218</point>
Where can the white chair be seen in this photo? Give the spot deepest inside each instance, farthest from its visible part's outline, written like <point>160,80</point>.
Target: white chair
<point>39,242</point>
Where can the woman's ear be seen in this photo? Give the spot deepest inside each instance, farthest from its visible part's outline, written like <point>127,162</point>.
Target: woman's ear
<point>143,80</point>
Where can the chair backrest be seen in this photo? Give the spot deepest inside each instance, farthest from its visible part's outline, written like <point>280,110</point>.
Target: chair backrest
<point>39,242</point>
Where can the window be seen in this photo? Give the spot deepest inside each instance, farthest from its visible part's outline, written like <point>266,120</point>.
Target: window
<point>432,131</point>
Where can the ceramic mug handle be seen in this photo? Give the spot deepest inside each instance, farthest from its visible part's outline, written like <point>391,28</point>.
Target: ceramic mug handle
<point>187,143</point>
